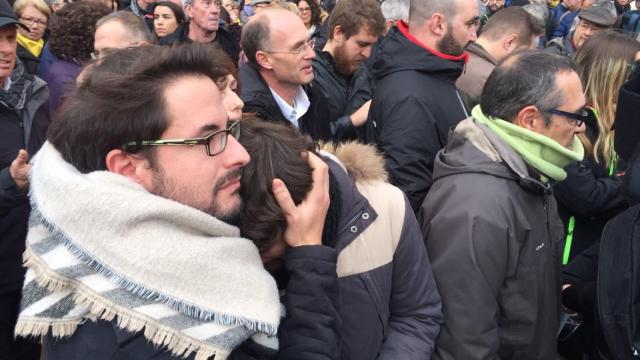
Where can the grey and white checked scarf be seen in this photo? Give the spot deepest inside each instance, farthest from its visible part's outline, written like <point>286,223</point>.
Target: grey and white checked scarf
<point>101,247</point>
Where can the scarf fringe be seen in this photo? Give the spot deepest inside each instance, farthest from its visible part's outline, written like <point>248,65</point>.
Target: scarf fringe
<point>137,289</point>
<point>160,336</point>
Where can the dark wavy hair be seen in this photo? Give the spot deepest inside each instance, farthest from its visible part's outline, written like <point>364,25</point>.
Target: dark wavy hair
<point>72,29</point>
<point>315,11</point>
<point>277,151</point>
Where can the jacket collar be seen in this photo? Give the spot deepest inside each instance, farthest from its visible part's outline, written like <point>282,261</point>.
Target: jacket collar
<point>404,29</point>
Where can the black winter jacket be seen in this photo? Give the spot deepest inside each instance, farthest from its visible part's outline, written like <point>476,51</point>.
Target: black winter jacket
<point>22,128</point>
<point>309,331</point>
<point>334,87</point>
<point>414,106</point>
<point>258,99</point>
<point>29,61</point>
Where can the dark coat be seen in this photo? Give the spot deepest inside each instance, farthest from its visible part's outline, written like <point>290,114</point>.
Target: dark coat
<point>493,237</point>
<point>308,332</point>
<point>414,106</point>
<point>258,99</point>
<point>23,128</point>
<point>225,40</point>
<point>29,61</point>
<point>334,86</point>
<point>591,196</point>
<point>389,304</point>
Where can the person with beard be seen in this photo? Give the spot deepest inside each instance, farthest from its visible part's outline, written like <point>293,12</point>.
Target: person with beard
<point>354,26</point>
<point>132,250</point>
<point>416,102</point>
<point>493,6</point>
<point>276,80</point>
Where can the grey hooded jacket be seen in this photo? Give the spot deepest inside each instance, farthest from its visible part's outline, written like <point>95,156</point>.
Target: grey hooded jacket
<point>493,236</point>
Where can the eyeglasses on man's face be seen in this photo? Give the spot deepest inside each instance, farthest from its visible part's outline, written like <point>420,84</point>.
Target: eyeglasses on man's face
<point>584,115</point>
<point>309,44</point>
<point>214,143</point>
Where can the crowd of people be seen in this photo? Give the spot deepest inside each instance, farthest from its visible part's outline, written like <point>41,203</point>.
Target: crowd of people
<point>319,179</point>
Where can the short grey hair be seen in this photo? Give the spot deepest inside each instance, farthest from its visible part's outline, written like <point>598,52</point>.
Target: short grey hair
<point>524,79</point>
<point>421,10</point>
<point>136,28</point>
<point>395,9</point>
<point>187,2</point>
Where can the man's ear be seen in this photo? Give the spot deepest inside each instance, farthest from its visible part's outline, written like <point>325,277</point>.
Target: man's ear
<point>438,24</point>
<point>188,10</point>
<point>263,60</point>
<point>135,167</point>
<point>510,43</point>
<point>338,35</point>
<point>530,118</point>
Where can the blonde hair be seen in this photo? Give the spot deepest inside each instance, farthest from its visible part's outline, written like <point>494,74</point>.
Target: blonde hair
<point>40,5</point>
<point>603,62</point>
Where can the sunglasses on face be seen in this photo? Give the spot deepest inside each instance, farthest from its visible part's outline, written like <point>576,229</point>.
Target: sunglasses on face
<point>586,114</point>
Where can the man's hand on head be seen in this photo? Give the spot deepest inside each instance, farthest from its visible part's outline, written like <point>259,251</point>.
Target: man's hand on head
<point>19,170</point>
<point>305,221</point>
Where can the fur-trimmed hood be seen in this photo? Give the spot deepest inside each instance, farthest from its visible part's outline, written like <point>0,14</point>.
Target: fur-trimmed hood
<point>363,162</point>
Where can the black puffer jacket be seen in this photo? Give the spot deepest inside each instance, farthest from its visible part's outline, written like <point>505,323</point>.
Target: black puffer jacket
<point>308,332</point>
<point>414,106</point>
<point>258,99</point>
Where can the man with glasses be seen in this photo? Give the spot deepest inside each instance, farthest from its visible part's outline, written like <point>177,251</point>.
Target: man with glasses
<point>601,15</point>
<point>275,80</point>
<point>490,221</point>
<point>204,27</point>
<point>135,227</point>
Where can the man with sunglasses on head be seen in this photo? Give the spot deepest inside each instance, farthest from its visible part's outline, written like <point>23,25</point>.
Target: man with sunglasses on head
<point>276,78</point>
<point>131,250</point>
<point>490,221</point>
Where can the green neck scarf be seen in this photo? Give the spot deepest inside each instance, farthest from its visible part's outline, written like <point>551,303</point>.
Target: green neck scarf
<point>542,153</point>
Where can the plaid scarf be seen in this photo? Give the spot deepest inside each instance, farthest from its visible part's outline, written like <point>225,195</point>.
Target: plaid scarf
<point>101,247</point>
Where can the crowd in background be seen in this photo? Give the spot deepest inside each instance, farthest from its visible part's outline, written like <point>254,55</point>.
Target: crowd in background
<point>456,179</point>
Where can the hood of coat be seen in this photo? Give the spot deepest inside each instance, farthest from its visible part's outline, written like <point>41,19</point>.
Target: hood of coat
<point>363,162</point>
<point>399,51</point>
<point>473,148</point>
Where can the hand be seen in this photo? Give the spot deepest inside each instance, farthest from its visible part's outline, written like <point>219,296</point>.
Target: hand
<point>305,221</point>
<point>360,116</point>
<point>19,170</point>
<point>234,15</point>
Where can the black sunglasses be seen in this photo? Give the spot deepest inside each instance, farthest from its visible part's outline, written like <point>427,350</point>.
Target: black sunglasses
<point>585,115</point>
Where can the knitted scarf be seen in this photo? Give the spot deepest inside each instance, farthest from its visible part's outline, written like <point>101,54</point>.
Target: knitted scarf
<point>540,152</point>
<point>33,46</point>
<point>101,247</point>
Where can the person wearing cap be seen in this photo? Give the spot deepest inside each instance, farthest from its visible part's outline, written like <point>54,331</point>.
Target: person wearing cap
<point>23,124</point>
<point>601,15</point>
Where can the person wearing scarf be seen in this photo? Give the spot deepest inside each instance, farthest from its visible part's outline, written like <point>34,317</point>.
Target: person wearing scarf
<point>126,265</point>
<point>34,18</point>
<point>490,221</point>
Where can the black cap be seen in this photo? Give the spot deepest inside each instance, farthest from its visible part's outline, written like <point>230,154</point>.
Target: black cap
<point>7,16</point>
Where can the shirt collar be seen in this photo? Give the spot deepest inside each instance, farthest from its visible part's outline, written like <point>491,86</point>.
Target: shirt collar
<point>7,83</point>
<point>293,113</point>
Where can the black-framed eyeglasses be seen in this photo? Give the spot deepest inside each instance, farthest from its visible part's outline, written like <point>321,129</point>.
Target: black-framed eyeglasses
<point>578,119</point>
<point>214,143</point>
<point>309,44</point>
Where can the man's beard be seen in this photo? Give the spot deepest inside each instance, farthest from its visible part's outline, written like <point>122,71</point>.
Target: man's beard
<point>492,11</point>
<point>448,45</point>
<point>167,188</point>
<point>344,65</point>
